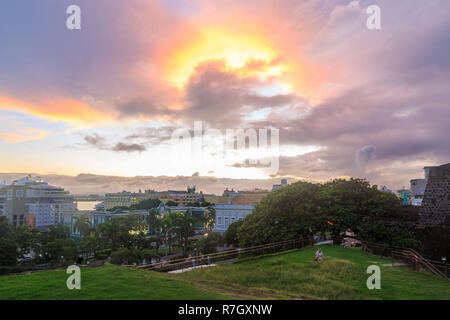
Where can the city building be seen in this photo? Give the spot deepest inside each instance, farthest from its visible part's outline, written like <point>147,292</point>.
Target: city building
<point>124,199</point>
<point>385,189</point>
<point>182,197</point>
<point>278,186</point>
<point>436,199</point>
<point>230,193</point>
<point>405,196</point>
<point>226,214</point>
<point>96,218</point>
<point>417,188</point>
<point>31,201</point>
<point>217,199</point>
<point>249,197</point>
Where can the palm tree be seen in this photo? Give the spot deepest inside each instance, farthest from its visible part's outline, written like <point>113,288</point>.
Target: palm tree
<point>83,225</point>
<point>210,217</point>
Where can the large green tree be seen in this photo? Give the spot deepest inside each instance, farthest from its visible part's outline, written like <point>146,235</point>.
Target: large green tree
<point>303,209</point>
<point>288,213</point>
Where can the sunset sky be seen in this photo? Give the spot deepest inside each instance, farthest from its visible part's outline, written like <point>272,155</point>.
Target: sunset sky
<point>104,100</point>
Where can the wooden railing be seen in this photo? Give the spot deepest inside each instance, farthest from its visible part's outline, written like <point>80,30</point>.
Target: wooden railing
<point>184,263</point>
<point>409,256</point>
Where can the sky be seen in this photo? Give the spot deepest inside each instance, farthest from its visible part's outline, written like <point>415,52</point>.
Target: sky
<point>105,101</point>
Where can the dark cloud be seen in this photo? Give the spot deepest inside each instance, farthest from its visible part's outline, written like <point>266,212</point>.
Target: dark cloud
<point>100,143</point>
<point>364,155</point>
<point>129,147</point>
<point>223,98</point>
<point>153,135</point>
<point>143,107</point>
<point>95,140</point>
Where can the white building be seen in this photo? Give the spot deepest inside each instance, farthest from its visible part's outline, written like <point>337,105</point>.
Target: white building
<point>34,202</point>
<point>226,214</point>
<point>417,187</point>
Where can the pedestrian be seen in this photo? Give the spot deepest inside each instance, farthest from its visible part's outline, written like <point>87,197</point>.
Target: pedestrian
<point>319,255</point>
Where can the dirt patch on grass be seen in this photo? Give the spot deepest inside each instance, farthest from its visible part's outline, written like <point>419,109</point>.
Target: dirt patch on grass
<point>243,293</point>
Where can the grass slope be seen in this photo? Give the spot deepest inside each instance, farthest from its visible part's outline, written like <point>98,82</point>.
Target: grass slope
<point>108,282</point>
<point>294,275</point>
<point>290,275</point>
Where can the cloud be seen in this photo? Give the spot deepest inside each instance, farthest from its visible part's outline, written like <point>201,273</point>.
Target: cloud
<point>100,143</point>
<point>95,140</point>
<point>23,135</point>
<point>129,147</point>
<point>223,97</point>
<point>364,155</point>
<point>338,85</point>
<point>55,108</point>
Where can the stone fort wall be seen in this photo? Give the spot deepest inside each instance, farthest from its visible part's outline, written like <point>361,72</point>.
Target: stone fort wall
<point>436,201</point>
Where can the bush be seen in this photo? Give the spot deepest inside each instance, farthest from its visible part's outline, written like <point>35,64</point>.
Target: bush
<point>66,248</point>
<point>209,243</point>
<point>123,256</point>
<point>8,252</point>
<point>230,236</point>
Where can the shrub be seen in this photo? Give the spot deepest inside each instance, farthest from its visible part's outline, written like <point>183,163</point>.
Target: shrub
<point>123,256</point>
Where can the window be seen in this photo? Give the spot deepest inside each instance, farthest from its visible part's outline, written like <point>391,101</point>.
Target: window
<point>219,220</point>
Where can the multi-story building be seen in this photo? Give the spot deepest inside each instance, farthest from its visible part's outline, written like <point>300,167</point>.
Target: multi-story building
<point>249,197</point>
<point>278,186</point>
<point>230,193</point>
<point>34,202</point>
<point>217,199</point>
<point>226,214</point>
<point>181,197</point>
<point>124,199</point>
<point>96,218</point>
<point>417,188</point>
<point>194,211</point>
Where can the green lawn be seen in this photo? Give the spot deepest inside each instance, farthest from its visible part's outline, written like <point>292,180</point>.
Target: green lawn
<point>294,275</point>
<point>108,282</point>
<point>290,275</point>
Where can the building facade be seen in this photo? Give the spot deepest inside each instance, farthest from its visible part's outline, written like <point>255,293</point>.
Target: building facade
<point>226,214</point>
<point>31,201</point>
<point>124,199</point>
<point>417,187</point>
<point>278,186</point>
<point>96,218</point>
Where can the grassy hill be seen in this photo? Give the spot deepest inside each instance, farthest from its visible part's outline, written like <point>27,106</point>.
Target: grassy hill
<point>290,275</point>
<point>104,283</point>
<point>340,275</point>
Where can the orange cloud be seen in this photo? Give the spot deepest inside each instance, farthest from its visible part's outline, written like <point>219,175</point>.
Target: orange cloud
<point>57,109</point>
<point>239,50</point>
<point>247,50</point>
<point>23,135</point>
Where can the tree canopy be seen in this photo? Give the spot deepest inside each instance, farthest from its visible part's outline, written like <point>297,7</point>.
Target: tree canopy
<point>303,209</point>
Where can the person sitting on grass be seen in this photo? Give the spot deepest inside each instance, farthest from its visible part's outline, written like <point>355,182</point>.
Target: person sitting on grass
<point>319,255</point>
